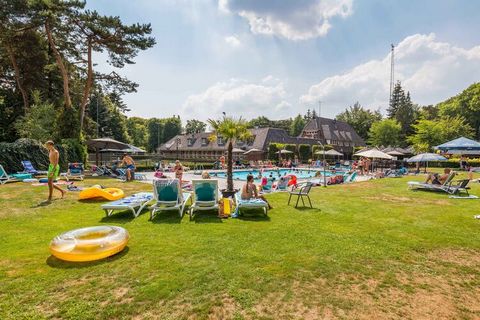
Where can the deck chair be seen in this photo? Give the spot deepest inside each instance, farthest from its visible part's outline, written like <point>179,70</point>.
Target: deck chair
<point>415,185</point>
<point>28,168</point>
<point>205,193</point>
<point>268,187</point>
<point>135,203</point>
<point>350,178</point>
<point>249,204</point>
<point>459,186</point>
<point>75,171</point>
<point>4,177</point>
<point>301,191</point>
<point>168,196</point>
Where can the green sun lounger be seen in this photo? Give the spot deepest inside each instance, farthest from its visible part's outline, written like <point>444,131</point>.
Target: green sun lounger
<point>168,196</point>
<point>205,194</point>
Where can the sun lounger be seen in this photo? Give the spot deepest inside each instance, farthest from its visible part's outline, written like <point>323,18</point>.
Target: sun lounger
<point>28,168</point>
<point>205,194</point>
<point>249,204</point>
<point>351,177</point>
<point>168,196</point>
<point>75,171</point>
<point>135,203</point>
<point>4,177</point>
<point>447,186</point>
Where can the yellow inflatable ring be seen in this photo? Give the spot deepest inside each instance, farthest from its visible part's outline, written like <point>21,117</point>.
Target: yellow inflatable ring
<point>89,244</point>
<point>97,192</point>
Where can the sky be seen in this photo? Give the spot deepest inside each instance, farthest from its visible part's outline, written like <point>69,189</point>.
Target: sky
<point>279,58</point>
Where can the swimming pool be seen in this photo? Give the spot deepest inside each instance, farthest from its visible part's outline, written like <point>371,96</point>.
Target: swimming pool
<point>242,174</point>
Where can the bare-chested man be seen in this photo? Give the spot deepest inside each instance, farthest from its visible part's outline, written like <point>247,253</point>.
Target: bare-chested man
<point>130,165</point>
<point>53,169</point>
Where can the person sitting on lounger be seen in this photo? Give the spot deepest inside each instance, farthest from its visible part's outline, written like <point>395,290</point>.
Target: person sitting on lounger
<point>435,178</point>
<point>249,191</point>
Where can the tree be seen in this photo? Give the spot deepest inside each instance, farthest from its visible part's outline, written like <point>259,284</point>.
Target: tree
<point>137,130</point>
<point>430,133</point>
<point>195,126</point>
<point>38,122</point>
<point>359,118</point>
<point>297,126</point>
<point>429,112</point>
<point>155,134</point>
<point>171,127</point>
<point>106,33</point>
<point>403,110</point>
<point>260,122</point>
<point>385,133</point>
<point>465,104</point>
<point>230,129</point>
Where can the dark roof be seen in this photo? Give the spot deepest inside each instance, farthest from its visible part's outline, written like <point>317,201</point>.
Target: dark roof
<point>332,129</point>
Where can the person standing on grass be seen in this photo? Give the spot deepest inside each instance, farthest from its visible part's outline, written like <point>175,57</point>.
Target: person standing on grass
<point>53,170</point>
<point>130,165</point>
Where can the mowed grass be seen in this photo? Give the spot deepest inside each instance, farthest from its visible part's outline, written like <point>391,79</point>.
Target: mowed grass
<point>367,250</point>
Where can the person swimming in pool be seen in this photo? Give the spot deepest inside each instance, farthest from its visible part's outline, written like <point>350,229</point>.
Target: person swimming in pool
<point>53,170</point>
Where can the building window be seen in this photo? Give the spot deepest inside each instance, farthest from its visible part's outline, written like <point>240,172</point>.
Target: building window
<point>190,142</point>
<point>204,141</point>
<point>220,141</point>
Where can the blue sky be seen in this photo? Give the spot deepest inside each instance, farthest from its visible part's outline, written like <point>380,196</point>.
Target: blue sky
<point>278,58</point>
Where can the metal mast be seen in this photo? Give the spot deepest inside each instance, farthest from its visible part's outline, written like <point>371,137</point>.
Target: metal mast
<point>392,71</point>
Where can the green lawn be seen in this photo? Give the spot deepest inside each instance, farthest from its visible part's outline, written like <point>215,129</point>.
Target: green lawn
<point>367,250</point>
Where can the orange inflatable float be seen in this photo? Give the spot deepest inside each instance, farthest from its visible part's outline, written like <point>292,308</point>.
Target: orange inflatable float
<point>97,192</point>
<point>89,244</point>
<point>293,180</point>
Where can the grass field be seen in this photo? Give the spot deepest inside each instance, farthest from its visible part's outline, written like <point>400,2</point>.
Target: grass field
<point>370,250</point>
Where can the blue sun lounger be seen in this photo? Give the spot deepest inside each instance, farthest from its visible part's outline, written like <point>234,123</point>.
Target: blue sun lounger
<point>249,204</point>
<point>28,168</point>
<point>135,203</point>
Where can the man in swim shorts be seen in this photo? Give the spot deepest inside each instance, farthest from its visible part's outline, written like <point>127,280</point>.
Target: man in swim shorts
<point>130,165</point>
<point>53,170</point>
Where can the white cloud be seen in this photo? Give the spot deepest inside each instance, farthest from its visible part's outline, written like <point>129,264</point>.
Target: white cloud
<point>233,41</point>
<point>240,98</point>
<point>431,70</point>
<point>293,20</point>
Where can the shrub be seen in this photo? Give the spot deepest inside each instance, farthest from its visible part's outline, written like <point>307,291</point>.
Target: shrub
<point>304,152</point>
<point>11,154</point>
<point>273,148</point>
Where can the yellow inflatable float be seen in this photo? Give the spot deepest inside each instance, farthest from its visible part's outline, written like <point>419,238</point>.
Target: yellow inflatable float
<point>97,192</point>
<point>89,244</point>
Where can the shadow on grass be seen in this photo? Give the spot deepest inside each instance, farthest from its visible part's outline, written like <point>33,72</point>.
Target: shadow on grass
<point>306,209</point>
<point>168,217</point>
<point>210,216</point>
<point>120,217</point>
<point>253,215</point>
<point>56,263</point>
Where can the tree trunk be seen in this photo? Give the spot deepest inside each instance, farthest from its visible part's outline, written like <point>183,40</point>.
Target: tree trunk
<point>61,66</point>
<point>13,60</point>
<point>88,85</point>
<point>230,166</point>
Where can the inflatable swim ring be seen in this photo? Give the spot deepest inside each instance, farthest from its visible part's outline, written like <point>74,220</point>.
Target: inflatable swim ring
<point>89,244</point>
<point>293,180</point>
<point>97,192</point>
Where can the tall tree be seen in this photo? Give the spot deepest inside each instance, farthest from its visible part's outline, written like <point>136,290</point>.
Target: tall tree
<point>106,33</point>
<point>465,104</point>
<point>402,110</point>
<point>359,118</point>
<point>297,126</point>
<point>260,122</point>
<point>171,127</point>
<point>385,133</point>
<point>155,134</point>
<point>137,130</point>
<point>195,126</point>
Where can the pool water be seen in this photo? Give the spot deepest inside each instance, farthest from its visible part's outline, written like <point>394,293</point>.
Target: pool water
<point>242,175</point>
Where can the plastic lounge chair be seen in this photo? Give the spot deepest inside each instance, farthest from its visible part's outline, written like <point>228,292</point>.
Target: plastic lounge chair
<point>459,186</point>
<point>351,177</point>
<point>205,193</point>
<point>168,196</point>
<point>4,177</point>
<point>415,185</point>
<point>135,203</point>
<point>268,186</point>
<point>75,171</point>
<point>28,168</point>
<point>249,204</point>
<point>302,190</point>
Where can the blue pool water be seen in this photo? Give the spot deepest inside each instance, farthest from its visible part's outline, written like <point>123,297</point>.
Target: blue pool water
<point>242,175</point>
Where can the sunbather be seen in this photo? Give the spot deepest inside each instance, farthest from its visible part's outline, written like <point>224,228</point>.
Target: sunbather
<point>53,170</point>
<point>249,191</point>
<point>435,178</point>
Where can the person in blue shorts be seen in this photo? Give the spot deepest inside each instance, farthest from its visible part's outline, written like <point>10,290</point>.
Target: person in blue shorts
<point>128,162</point>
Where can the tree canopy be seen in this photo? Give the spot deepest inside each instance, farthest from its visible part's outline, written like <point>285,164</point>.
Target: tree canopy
<point>360,119</point>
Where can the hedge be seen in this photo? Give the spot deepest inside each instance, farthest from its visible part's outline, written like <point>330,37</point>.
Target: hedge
<point>11,154</point>
<point>273,149</point>
<point>304,152</point>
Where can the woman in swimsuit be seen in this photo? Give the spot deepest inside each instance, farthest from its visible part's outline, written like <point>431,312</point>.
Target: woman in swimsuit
<point>249,191</point>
